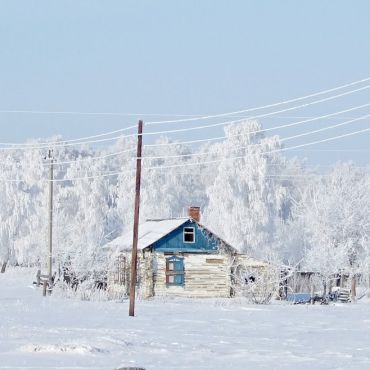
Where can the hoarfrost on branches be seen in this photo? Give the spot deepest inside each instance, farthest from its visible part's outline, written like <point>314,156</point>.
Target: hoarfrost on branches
<point>251,195</point>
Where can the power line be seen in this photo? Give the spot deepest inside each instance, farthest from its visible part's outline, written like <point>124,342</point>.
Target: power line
<point>257,116</point>
<point>267,152</point>
<point>332,150</point>
<point>192,117</point>
<point>224,137</point>
<point>244,147</point>
<point>261,107</point>
<point>66,143</point>
<point>74,141</point>
<point>282,116</point>
<point>62,144</point>
<point>98,157</point>
<point>199,163</point>
<point>209,153</point>
<point>302,117</point>
<point>326,128</point>
<point>81,113</point>
<point>258,131</point>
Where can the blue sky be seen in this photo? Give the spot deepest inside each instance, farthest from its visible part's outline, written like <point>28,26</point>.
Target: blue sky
<point>179,57</point>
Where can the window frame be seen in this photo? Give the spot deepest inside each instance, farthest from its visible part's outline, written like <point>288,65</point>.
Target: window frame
<point>188,233</point>
<point>178,271</point>
<point>119,274</point>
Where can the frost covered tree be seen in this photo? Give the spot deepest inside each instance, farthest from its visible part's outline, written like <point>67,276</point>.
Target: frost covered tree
<point>22,206</point>
<point>334,212</point>
<point>247,199</point>
<point>251,195</point>
<point>166,192</point>
<point>85,216</point>
<point>289,244</point>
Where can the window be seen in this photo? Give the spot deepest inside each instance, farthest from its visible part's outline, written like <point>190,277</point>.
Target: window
<point>175,271</point>
<point>189,235</point>
<point>120,270</point>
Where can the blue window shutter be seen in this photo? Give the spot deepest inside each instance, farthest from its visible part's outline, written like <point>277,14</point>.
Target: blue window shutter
<point>177,272</point>
<point>180,268</point>
<point>178,279</point>
<point>179,265</point>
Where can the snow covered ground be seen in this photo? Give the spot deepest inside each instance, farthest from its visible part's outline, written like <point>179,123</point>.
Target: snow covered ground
<point>57,333</point>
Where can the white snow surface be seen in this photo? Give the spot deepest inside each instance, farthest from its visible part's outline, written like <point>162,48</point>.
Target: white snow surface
<point>149,232</point>
<point>59,333</point>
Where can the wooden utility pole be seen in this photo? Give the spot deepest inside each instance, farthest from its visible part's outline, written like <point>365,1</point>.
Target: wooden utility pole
<point>51,190</point>
<point>136,220</point>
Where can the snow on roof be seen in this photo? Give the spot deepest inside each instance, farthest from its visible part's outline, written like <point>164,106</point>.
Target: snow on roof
<point>149,232</point>
<point>251,261</point>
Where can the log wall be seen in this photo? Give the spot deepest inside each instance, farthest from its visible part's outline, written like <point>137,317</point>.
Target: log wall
<point>205,276</point>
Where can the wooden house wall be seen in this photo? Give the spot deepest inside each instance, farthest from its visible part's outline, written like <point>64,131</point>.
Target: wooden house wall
<point>204,276</point>
<point>144,276</point>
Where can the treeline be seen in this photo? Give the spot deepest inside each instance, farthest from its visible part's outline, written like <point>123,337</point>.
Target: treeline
<point>250,193</point>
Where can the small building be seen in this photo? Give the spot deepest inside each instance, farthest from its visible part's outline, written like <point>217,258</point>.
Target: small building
<point>302,285</point>
<point>177,257</point>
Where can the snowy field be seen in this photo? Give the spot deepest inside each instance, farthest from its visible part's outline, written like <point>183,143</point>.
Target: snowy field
<point>56,333</point>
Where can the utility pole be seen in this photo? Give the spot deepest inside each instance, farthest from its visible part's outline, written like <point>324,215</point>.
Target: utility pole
<point>136,220</point>
<point>51,190</point>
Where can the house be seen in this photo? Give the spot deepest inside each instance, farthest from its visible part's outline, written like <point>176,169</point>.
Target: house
<point>177,257</point>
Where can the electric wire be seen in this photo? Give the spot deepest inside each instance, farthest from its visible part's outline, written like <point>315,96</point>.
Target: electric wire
<point>57,144</point>
<point>27,145</point>
<point>261,107</point>
<point>267,152</point>
<point>254,117</point>
<point>252,132</point>
<point>261,130</point>
<point>244,147</point>
<point>93,157</point>
<point>322,92</point>
<point>332,150</point>
<point>73,142</point>
<point>116,173</point>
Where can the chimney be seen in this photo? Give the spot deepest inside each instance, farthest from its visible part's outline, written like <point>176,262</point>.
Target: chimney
<point>194,213</point>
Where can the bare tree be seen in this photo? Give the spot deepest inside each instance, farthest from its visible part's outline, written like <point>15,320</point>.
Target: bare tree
<point>257,281</point>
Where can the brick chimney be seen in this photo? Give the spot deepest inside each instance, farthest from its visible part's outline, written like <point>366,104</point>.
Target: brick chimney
<point>194,213</point>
